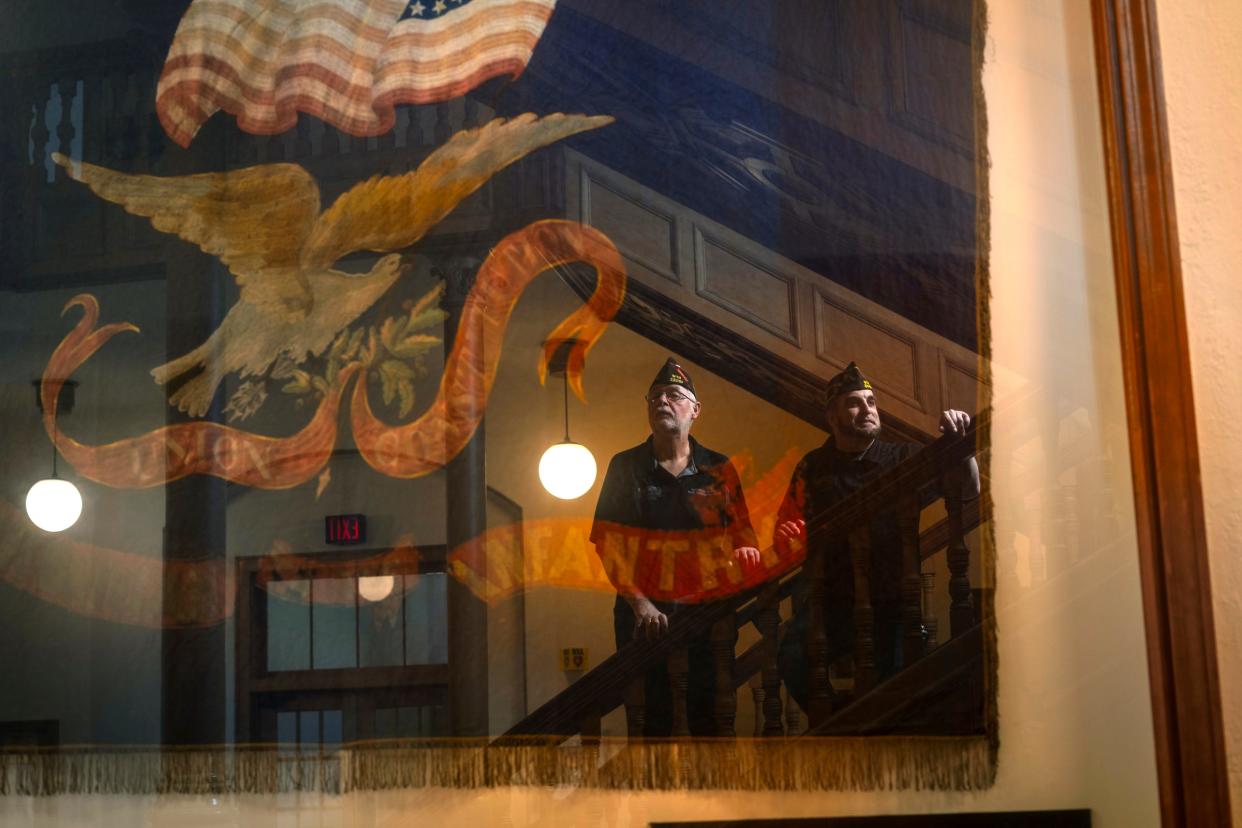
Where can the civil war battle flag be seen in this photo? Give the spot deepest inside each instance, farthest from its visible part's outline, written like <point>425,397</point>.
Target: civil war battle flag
<point>347,62</point>
<point>311,327</point>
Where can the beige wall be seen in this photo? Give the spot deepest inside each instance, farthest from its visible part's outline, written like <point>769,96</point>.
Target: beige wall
<point>1201,50</point>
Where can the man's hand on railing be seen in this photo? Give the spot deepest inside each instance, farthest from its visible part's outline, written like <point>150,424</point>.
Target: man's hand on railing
<point>787,531</point>
<point>954,421</point>
<point>747,557</point>
<point>649,622</point>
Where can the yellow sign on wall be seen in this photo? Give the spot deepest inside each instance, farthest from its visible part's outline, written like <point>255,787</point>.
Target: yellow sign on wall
<point>575,658</point>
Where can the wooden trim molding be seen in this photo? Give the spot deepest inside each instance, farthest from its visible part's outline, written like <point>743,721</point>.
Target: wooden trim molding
<point>1177,599</point>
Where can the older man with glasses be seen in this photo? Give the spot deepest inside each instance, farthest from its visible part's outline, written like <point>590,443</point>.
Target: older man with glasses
<point>662,503</point>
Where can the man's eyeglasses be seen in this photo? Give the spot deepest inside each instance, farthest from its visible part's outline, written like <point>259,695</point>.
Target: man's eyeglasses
<point>673,397</point>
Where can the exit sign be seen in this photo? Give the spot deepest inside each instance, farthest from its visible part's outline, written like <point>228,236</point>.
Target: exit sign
<point>345,530</point>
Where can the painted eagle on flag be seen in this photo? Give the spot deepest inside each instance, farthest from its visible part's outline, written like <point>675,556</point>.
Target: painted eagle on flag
<point>346,62</point>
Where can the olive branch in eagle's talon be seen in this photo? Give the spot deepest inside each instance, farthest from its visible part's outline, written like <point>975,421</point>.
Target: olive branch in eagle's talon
<point>394,354</point>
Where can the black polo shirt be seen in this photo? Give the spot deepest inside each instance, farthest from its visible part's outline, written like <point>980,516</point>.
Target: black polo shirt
<point>824,478</point>
<point>639,494</point>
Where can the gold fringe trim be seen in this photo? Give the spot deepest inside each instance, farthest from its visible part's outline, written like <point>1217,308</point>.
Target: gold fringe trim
<point>835,763</point>
<point>983,325</point>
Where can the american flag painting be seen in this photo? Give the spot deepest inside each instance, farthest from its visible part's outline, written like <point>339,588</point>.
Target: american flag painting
<point>348,62</point>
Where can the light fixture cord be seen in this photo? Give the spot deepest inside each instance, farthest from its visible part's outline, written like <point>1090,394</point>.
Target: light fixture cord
<point>566,378</point>
<point>54,451</point>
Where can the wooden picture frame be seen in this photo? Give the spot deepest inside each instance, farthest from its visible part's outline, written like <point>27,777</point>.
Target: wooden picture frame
<point>1170,522</point>
<point>1173,555</point>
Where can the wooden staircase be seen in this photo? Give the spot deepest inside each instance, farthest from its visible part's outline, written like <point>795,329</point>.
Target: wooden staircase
<point>944,684</point>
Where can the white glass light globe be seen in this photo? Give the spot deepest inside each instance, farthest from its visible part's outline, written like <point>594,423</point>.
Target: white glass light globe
<point>53,504</point>
<point>567,470</point>
<point>376,587</point>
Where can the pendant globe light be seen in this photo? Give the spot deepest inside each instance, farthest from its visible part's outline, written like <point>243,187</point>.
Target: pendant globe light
<point>376,588</point>
<point>567,469</point>
<point>54,504</point>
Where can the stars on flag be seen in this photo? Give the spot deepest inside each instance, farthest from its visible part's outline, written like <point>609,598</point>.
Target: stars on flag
<point>430,9</point>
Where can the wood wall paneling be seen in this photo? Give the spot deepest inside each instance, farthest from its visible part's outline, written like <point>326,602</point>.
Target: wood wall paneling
<point>762,296</point>
<point>795,315</point>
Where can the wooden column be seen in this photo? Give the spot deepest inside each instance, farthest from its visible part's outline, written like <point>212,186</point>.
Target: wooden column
<point>192,665</point>
<point>864,613</point>
<point>465,520</point>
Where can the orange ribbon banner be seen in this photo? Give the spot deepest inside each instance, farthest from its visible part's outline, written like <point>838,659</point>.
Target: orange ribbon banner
<point>429,442</point>
<point>143,590</point>
<point>426,444</point>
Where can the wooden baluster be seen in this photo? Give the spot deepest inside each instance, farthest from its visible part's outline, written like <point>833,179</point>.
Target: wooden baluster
<point>94,131</point>
<point>144,114</point>
<point>819,701</point>
<point>424,135</point>
<point>793,716</point>
<point>724,634</point>
<point>303,148</point>
<point>457,115</point>
<point>591,729</point>
<point>679,683</point>
<point>757,697</point>
<point>961,607</point>
<point>129,122</point>
<point>276,147</point>
<point>443,125</point>
<point>929,612</point>
<point>156,139</point>
<point>14,149</point>
<point>1072,526</point>
<point>232,148</point>
<point>401,129</point>
<point>28,237</point>
<point>387,141</point>
<point>768,622</point>
<point>636,708</point>
<point>912,644</point>
<point>114,119</point>
<point>65,130</point>
<point>331,141</point>
<point>41,134</point>
<point>1108,524</point>
<point>864,613</point>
